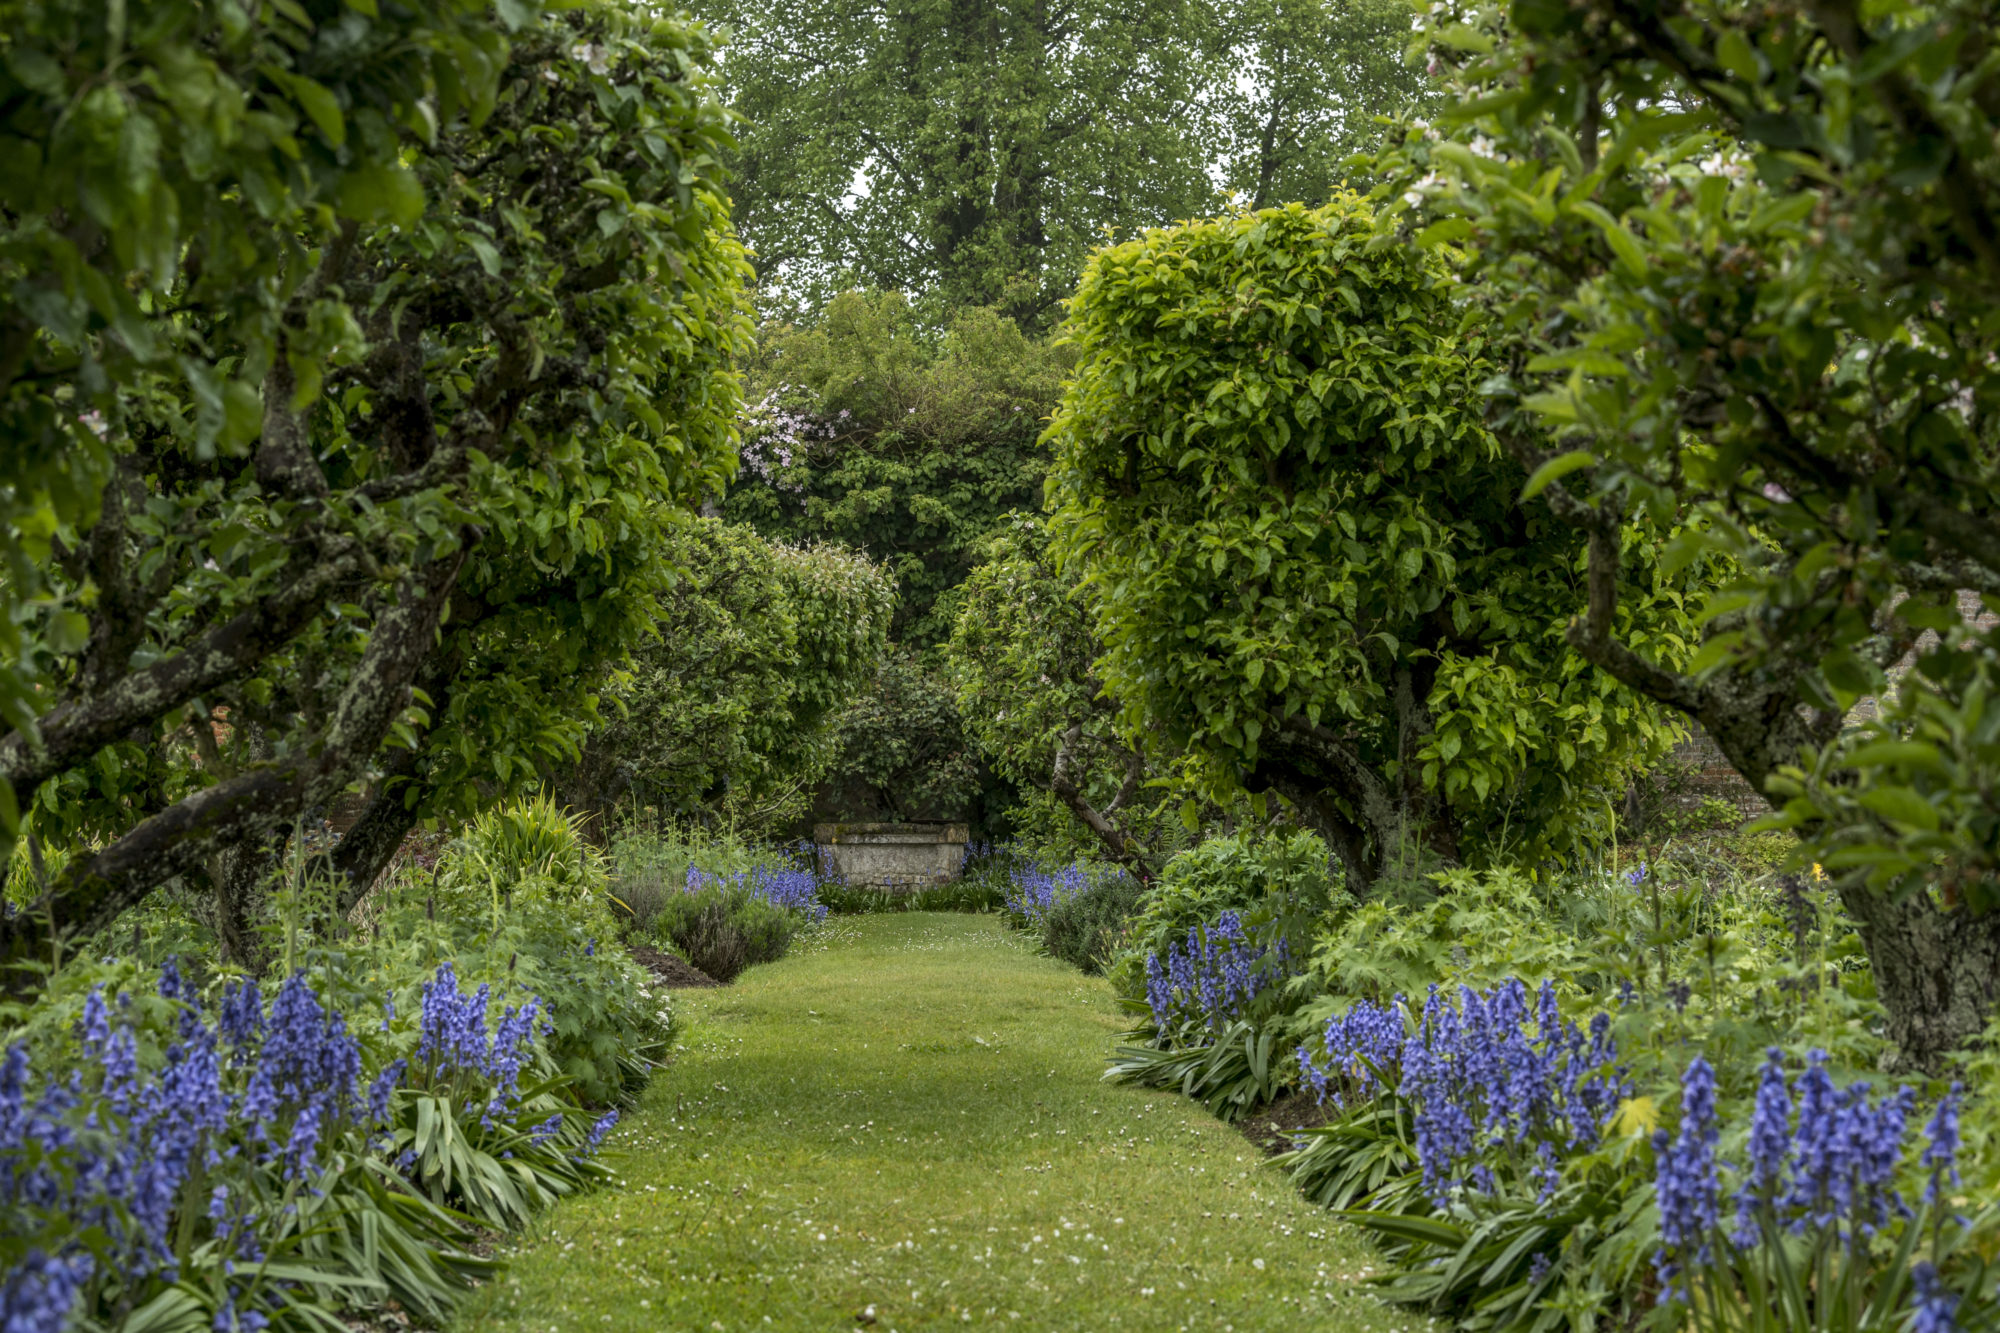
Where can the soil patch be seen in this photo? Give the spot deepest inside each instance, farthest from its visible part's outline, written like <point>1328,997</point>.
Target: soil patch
<point>1271,1127</point>
<point>674,972</point>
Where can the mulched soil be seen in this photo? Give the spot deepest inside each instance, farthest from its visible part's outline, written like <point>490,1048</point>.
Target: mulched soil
<point>674,972</point>
<point>1271,1127</point>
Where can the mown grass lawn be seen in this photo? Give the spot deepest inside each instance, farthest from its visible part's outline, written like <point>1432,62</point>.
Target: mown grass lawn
<point>907,1115</point>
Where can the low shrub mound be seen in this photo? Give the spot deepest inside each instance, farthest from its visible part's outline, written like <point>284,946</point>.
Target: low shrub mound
<point>1087,928</point>
<point>724,927</point>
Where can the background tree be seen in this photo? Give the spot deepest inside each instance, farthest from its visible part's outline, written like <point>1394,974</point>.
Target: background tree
<point>873,429</point>
<point>974,152</point>
<point>757,647</point>
<point>1758,283</point>
<point>1022,656</point>
<point>971,150</point>
<point>1304,83</point>
<point>386,450</point>
<point>1305,560</point>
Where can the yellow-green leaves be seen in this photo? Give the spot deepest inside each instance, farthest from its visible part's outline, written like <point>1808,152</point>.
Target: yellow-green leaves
<point>1340,532</point>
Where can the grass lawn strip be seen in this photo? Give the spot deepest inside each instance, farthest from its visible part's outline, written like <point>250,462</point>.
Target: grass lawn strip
<point>907,1115</point>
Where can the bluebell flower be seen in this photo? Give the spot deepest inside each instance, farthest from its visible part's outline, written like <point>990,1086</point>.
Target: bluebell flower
<point>93,1028</point>
<point>1770,1138</point>
<point>1934,1305</point>
<point>1685,1181</point>
<point>38,1294</point>
<point>598,1131</point>
<point>242,1017</point>
<point>1941,1146</point>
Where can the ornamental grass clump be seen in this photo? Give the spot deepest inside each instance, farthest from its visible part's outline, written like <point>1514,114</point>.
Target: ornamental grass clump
<point>1823,1219</point>
<point>170,1163</point>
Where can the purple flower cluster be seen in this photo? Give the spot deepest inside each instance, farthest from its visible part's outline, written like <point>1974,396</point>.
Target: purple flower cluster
<point>1820,1160</point>
<point>1490,1075</point>
<point>109,1149</point>
<point>1361,1046</point>
<point>1219,970</point>
<point>1032,891</point>
<point>794,890</point>
<point>453,1038</point>
<point>101,1162</point>
<point>1685,1180</point>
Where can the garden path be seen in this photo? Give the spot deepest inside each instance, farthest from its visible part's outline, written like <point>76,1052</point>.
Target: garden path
<point>907,1114</point>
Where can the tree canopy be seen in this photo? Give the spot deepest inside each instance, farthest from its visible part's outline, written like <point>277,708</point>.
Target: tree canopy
<point>347,439</point>
<point>731,702</point>
<point>1023,657</point>
<point>1305,560</point>
<point>1752,260</point>
<point>978,151</point>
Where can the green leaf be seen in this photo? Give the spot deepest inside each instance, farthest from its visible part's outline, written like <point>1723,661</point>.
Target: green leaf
<point>1442,231</point>
<point>1554,470</point>
<point>69,631</point>
<point>381,192</point>
<point>1735,54</point>
<point>320,105</point>
<point>1623,243</point>
<point>1900,754</point>
<point>1902,806</point>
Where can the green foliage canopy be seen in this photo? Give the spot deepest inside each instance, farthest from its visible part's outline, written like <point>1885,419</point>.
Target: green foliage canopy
<point>872,429</point>
<point>386,450</point>
<point>1306,562</point>
<point>1753,258</point>
<point>1022,658</point>
<point>979,152</point>
<point>758,645</point>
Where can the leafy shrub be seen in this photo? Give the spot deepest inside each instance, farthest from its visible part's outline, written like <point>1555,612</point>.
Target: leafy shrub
<point>723,927</point>
<point>527,848</point>
<point>1289,872</point>
<point>536,837</point>
<point>1087,928</point>
<point>1281,886</point>
<point>608,1022</point>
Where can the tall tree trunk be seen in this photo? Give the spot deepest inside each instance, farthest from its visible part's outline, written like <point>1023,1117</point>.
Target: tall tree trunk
<point>1937,972</point>
<point>366,849</point>
<point>240,878</point>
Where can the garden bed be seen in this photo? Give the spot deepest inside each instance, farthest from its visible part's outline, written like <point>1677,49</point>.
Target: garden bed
<point>1273,1127</point>
<point>674,972</point>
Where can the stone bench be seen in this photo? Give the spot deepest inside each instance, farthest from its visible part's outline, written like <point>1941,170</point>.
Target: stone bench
<point>904,857</point>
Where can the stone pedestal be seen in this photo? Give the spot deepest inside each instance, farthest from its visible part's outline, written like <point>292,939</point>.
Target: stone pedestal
<point>904,857</point>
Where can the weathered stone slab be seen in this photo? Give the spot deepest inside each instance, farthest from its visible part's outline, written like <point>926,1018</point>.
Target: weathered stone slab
<point>903,857</point>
